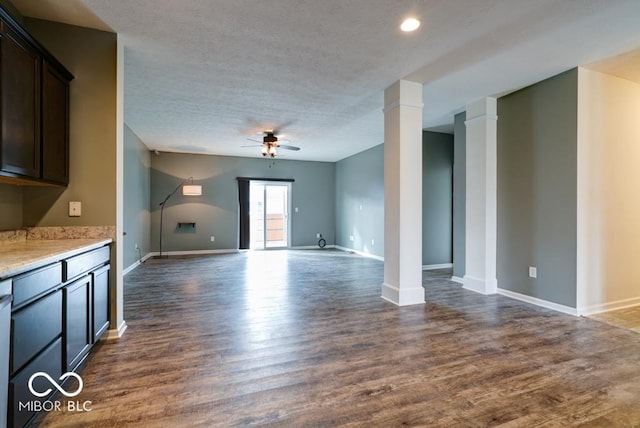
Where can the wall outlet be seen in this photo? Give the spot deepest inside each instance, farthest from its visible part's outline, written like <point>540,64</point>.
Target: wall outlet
<point>533,272</point>
<point>373,242</point>
<point>350,237</point>
<point>136,247</point>
<point>213,238</point>
<point>318,235</point>
<point>75,209</point>
<point>295,209</point>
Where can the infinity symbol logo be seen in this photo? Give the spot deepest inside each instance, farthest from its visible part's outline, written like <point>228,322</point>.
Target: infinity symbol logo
<point>55,384</point>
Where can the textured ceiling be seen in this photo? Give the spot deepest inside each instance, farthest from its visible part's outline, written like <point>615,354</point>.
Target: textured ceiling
<point>202,76</point>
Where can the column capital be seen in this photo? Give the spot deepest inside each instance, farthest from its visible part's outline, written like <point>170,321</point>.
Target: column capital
<point>403,93</point>
<point>486,108</point>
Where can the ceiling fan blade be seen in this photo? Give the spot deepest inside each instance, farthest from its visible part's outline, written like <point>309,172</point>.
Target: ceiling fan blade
<point>252,145</point>
<point>287,147</point>
<point>257,141</point>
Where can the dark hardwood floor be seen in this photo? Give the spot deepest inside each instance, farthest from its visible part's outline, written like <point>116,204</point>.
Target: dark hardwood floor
<point>303,339</point>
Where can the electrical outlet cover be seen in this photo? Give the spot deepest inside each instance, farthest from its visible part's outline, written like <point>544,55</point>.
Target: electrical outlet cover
<point>75,209</point>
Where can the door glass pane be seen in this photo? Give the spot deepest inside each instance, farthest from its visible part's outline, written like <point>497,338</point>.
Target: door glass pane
<point>276,216</point>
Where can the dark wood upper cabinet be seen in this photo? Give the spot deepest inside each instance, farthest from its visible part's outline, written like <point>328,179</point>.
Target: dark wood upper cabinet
<point>55,125</point>
<point>34,109</point>
<point>20,107</point>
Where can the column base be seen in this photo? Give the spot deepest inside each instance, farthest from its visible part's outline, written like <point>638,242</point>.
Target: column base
<point>116,333</point>
<point>403,296</point>
<point>480,285</point>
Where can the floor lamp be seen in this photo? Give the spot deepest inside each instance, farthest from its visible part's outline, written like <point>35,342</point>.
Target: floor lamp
<point>187,190</point>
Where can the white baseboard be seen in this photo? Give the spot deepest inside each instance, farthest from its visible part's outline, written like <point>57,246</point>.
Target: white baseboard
<point>136,264</point>
<point>194,252</point>
<point>403,296</point>
<point>438,266</point>
<point>539,302</point>
<point>457,279</point>
<point>611,306</point>
<point>116,334</point>
<point>360,253</point>
<point>311,247</point>
<point>480,285</point>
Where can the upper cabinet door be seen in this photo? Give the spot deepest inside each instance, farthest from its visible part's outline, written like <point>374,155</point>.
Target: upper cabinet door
<point>20,108</point>
<point>55,126</point>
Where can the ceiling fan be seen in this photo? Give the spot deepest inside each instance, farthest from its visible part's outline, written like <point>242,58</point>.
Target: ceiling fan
<point>270,144</point>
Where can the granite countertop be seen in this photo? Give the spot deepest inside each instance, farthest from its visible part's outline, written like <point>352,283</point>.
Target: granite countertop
<point>23,255</point>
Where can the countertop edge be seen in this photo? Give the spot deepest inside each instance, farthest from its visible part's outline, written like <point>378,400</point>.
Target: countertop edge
<point>53,257</point>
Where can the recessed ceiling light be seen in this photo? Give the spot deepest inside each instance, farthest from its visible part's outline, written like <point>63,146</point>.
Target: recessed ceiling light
<point>410,24</point>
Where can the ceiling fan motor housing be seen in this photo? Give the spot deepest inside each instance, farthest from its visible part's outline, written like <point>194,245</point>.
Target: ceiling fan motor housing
<point>270,138</point>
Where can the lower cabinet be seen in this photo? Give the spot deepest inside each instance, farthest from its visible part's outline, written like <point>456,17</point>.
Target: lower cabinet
<point>77,322</point>
<point>57,320</point>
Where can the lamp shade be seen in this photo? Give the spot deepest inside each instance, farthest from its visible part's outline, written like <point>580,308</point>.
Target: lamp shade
<point>192,190</point>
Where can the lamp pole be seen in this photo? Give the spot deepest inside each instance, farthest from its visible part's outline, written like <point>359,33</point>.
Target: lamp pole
<point>163,203</point>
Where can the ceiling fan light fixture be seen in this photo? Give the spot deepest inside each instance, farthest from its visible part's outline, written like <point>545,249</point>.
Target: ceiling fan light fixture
<point>270,145</point>
<point>410,24</point>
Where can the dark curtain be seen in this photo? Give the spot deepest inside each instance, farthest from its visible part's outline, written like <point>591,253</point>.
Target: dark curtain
<point>243,195</point>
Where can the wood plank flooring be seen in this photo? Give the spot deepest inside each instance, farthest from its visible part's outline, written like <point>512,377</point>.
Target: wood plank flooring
<point>303,339</point>
<point>628,318</point>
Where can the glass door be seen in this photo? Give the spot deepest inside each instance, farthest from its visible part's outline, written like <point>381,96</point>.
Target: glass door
<point>269,214</point>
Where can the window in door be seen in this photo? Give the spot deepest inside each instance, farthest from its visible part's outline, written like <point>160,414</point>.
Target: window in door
<point>269,215</point>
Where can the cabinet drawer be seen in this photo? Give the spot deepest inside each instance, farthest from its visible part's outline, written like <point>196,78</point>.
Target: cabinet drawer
<point>36,283</point>
<point>34,327</point>
<point>83,263</point>
<point>50,362</point>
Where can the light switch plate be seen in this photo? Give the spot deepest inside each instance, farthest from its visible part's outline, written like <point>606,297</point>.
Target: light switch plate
<point>75,209</point>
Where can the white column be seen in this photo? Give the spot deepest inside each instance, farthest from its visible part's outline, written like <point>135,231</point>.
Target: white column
<point>118,324</point>
<point>403,194</point>
<point>481,197</point>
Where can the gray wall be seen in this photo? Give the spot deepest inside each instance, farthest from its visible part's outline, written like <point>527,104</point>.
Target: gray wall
<point>216,211</point>
<point>437,203</point>
<point>137,182</point>
<point>459,193</point>
<point>10,207</point>
<point>537,189</point>
<point>360,201</point>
